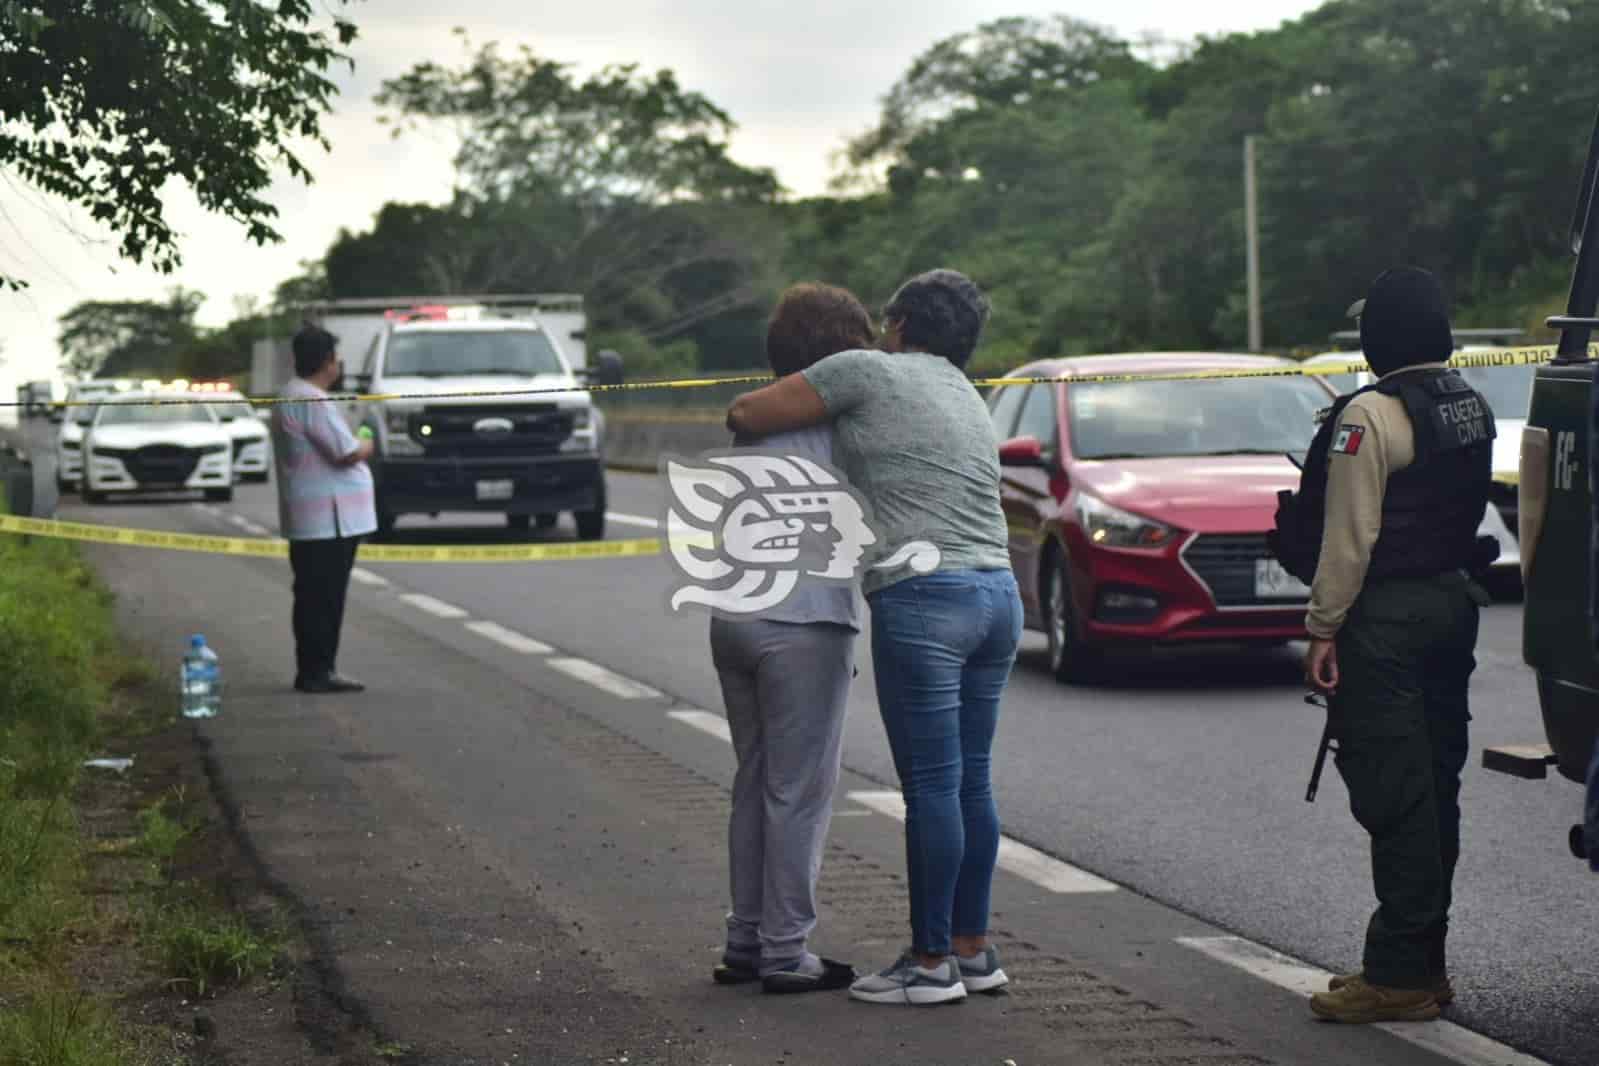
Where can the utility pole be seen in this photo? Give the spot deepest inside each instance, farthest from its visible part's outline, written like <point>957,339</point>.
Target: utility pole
<point>1252,238</point>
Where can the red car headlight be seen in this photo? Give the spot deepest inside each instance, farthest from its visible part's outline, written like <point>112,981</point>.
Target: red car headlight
<point>1112,527</point>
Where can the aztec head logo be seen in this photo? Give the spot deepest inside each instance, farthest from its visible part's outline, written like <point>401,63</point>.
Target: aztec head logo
<point>743,526</point>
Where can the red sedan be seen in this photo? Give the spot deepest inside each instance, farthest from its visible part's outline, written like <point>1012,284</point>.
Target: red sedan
<point>1138,510</point>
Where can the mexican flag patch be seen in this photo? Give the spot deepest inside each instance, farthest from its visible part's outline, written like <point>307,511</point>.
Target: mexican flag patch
<point>1347,440</point>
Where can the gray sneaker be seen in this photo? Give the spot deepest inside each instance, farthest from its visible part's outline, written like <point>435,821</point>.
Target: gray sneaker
<point>981,973</point>
<point>909,984</point>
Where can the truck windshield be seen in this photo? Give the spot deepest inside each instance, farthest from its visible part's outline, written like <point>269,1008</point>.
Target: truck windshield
<point>1508,389</point>
<point>440,353</point>
<point>1154,419</point>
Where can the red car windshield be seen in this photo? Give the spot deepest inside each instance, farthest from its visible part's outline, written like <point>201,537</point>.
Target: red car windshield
<point>1158,419</point>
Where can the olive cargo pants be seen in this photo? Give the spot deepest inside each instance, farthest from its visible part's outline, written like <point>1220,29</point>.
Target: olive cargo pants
<point>1405,657</point>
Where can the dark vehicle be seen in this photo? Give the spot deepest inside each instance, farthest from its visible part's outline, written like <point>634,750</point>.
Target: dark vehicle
<point>1138,510</point>
<point>1556,514</point>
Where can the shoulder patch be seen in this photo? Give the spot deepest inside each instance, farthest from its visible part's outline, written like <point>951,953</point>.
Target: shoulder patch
<point>1347,440</point>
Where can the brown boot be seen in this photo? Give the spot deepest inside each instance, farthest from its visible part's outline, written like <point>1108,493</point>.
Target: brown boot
<point>1443,990</point>
<point>1358,1002</point>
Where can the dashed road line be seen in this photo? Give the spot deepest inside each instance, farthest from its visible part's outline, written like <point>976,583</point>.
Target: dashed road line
<point>606,680</point>
<point>705,722</point>
<point>632,520</point>
<point>241,521</point>
<point>437,608</point>
<point>1453,1042</point>
<point>1028,863</point>
<point>509,638</point>
<point>367,577</point>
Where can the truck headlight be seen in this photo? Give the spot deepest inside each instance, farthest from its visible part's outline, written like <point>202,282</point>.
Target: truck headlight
<point>582,418</point>
<point>1112,527</point>
<point>398,420</point>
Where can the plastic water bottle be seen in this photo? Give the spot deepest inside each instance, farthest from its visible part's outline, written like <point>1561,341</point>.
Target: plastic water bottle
<point>201,680</point>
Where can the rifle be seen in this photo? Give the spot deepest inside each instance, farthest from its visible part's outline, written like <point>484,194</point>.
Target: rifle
<point>1327,744</point>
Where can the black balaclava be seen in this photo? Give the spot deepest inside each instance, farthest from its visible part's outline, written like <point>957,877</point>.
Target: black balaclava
<point>1405,321</point>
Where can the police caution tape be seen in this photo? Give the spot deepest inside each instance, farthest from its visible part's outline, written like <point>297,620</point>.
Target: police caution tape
<point>263,548</point>
<point>1531,355</point>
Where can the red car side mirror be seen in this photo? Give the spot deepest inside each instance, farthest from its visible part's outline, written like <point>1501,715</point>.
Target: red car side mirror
<point>1021,451</point>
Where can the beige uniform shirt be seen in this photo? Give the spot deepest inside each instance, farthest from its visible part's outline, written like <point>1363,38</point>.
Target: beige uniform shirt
<point>1372,440</point>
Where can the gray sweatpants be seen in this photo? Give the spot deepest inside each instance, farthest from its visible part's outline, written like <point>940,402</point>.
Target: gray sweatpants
<point>786,687</point>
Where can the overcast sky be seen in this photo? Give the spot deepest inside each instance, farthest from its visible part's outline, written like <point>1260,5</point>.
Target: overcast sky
<point>798,83</point>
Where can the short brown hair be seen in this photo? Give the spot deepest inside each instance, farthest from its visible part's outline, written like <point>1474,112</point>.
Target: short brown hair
<point>812,321</point>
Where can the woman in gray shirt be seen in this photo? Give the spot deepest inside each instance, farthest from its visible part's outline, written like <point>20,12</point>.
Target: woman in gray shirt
<point>785,675</point>
<point>913,436</point>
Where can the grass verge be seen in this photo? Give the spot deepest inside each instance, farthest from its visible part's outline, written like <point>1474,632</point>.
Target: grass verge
<point>78,902</point>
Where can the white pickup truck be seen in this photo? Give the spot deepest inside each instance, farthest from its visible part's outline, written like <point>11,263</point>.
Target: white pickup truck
<point>439,448</point>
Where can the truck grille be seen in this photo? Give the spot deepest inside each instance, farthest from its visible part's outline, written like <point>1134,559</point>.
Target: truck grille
<point>1225,563</point>
<point>161,464</point>
<point>527,429</point>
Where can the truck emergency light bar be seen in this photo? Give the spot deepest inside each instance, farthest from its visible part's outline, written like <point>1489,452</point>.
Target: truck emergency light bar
<point>456,313</point>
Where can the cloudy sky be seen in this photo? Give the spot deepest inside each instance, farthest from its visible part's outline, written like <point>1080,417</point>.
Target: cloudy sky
<point>797,81</point>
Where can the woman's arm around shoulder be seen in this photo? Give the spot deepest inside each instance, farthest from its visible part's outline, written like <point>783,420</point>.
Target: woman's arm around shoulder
<point>820,392</point>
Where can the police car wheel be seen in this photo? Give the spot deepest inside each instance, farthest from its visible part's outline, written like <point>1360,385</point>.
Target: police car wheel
<point>590,525</point>
<point>1070,659</point>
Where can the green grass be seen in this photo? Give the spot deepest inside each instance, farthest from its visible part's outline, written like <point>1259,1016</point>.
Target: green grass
<point>61,1027</point>
<point>203,948</point>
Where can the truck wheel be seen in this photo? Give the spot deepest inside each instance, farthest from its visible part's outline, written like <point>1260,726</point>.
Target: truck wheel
<point>547,521</point>
<point>386,523</point>
<point>90,496</point>
<point>519,523</point>
<point>590,524</point>
<point>219,495</point>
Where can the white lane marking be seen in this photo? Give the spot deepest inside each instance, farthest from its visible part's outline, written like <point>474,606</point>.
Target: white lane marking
<point>367,577</point>
<point>1447,1039</point>
<point>633,520</point>
<point>1021,860</point>
<point>705,722</point>
<point>241,521</point>
<point>601,678</point>
<point>510,638</point>
<point>438,608</point>
<point>212,510</point>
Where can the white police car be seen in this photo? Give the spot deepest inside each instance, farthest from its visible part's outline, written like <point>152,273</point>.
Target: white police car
<point>252,441</point>
<point>133,447</point>
<point>74,419</point>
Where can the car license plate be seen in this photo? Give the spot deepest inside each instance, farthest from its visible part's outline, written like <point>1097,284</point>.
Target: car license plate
<point>1272,582</point>
<point>496,490</point>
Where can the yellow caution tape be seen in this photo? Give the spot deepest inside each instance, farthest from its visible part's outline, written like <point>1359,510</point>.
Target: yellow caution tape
<point>261,547</point>
<point>1498,357</point>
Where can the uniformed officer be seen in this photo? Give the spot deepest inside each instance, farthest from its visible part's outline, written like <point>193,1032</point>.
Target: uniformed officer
<point>1384,527</point>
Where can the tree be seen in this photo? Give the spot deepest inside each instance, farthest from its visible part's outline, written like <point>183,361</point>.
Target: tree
<point>107,101</point>
<point>128,337</point>
<point>618,186</point>
<point>1002,64</point>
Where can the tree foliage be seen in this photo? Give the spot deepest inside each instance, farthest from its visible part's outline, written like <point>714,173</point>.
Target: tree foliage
<point>107,101</point>
<point>1097,196</point>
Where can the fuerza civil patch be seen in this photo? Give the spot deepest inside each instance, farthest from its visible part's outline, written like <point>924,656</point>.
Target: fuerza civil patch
<point>1347,440</point>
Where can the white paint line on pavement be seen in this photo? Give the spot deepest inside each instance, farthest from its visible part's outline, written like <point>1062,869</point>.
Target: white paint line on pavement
<point>510,638</point>
<point>606,680</point>
<point>241,521</point>
<point>437,608</point>
<point>1447,1039</point>
<point>705,722</point>
<point>1027,863</point>
<point>367,577</point>
<point>632,520</point>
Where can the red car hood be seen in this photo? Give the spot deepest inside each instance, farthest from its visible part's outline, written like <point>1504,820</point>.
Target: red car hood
<point>1206,493</point>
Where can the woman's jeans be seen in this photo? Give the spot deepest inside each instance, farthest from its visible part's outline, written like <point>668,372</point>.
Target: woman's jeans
<point>942,648</point>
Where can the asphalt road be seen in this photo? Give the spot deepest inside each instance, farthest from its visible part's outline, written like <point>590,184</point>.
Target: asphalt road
<point>1182,782</point>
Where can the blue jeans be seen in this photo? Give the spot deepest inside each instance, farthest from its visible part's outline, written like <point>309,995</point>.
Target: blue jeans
<point>942,648</point>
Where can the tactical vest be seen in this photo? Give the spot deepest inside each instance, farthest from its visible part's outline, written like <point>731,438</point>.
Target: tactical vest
<point>1431,509</point>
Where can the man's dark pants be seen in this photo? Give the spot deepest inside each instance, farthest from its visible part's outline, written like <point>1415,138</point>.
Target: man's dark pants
<point>321,580</point>
<point>1405,657</point>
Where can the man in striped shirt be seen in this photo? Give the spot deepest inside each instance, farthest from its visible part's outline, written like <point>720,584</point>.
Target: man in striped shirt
<point>325,506</point>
